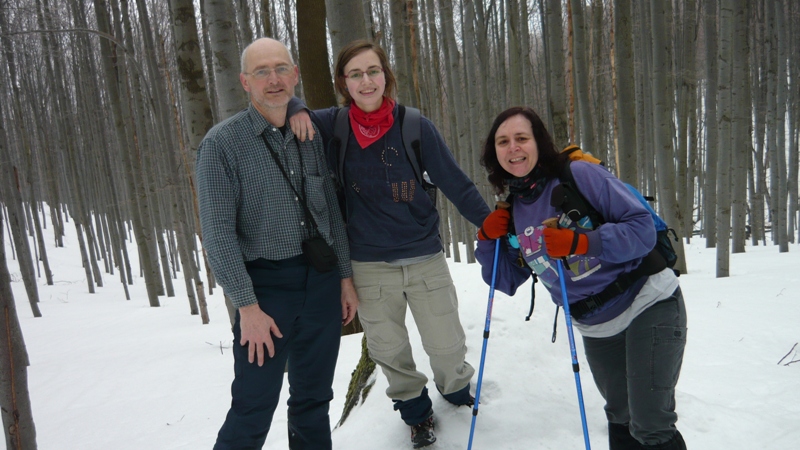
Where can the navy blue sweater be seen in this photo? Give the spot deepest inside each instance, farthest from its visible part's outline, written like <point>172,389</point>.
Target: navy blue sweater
<point>389,216</point>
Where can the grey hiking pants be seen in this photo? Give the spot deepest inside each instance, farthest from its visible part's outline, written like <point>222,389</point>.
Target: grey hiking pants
<point>636,371</point>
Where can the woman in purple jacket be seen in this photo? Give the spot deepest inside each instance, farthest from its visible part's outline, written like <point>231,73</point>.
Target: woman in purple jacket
<point>628,308</point>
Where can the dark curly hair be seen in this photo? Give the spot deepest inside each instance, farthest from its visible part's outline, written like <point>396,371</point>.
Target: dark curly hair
<point>549,161</point>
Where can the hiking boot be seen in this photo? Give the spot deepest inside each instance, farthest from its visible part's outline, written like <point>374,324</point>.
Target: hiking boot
<point>470,402</point>
<point>422,433</point>
<point>619,437</point>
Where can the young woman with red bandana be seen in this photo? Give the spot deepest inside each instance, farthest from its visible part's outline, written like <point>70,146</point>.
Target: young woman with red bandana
<point>393,230</point>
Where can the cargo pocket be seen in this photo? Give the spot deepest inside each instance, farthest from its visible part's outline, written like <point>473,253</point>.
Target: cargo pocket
<point>442,294</point>
<point>370,307</point>
<point>667,356</point>
<point>384,335</point>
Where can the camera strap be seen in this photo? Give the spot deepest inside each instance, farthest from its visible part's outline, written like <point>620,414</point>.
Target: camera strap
<point>309,216</point>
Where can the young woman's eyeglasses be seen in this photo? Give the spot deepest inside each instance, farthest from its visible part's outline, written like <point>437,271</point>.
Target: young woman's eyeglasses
<point>358,75</point>
<point>265,72</point>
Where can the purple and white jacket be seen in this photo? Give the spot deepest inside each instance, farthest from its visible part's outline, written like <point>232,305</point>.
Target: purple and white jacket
<point>615,247</point>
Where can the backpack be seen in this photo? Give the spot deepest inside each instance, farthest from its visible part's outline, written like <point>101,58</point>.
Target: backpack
<point>663,241</point>
<point>409,119</point>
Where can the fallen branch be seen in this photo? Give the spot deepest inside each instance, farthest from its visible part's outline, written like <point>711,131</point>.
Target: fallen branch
<point>221,347</point>
<point>790,351</point>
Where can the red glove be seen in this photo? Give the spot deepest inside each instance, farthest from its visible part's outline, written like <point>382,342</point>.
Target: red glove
<point>561,242</point>
<point>495,225</point>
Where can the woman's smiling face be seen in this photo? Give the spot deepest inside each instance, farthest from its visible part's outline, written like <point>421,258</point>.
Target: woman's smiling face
<point>516,147</point>
<point>367,93</point>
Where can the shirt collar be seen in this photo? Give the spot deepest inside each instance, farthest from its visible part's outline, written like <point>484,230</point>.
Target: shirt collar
<point>260,123</point>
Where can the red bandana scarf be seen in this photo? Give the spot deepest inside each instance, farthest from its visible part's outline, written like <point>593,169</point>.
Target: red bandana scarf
<point>371,126</point>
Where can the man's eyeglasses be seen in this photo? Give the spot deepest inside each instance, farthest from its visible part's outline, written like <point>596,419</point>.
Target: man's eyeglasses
<point>358,75</point>
<point>265,72</point>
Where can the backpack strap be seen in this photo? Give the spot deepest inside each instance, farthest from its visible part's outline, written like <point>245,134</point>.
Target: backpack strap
<point>569,199</point>
<point>341,135</point>
<point>520,261</point>
<point>410,119</point>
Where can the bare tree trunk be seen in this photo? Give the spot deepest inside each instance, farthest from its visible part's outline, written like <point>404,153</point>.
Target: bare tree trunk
<point>208,63</point>
<point>20,431</point>
<point>244,29</point>
<point>478,70</point>
<point>142,168</point>
<point>625,90</point>
<point>266,19</point>
<point>313,49</point>
<point>225,51</point>
<point>779,197</point>
<point>401,50</point>
<point>515,79</point>
<point>585,128</point>
<point>9,188</point>
<point>759,89</point>
<point>498,31</point>
<point>181,218</point>
<point>116,79</point>
<point>686,85</point>
<point>343,22</point>
<point>597,86</point>
<point>771,121</point>
<point>528,75</point>
<point>195,103</point>
<point>723,212</point>
<point>662,118</point>
<point>710,185</point>
<point>740,124</point>
<point>555,55</point>
<point>793,36</point>
<point>26,150</point>
<point>458,121</point>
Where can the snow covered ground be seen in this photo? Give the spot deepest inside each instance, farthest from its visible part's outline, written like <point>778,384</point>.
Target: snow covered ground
<point>107,373</point>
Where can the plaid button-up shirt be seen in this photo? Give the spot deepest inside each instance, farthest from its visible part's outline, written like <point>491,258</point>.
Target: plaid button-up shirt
<point>247,208</point>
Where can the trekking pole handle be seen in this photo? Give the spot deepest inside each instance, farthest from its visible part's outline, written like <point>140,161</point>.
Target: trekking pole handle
<point>551,222</point>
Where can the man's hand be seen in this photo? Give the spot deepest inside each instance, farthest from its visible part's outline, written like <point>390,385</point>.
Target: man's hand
<point>256,327</point>
<point>349,301</point>
<point>301,126</point>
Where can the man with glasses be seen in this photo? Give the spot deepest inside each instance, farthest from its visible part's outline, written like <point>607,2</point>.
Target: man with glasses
<point>264,197</point>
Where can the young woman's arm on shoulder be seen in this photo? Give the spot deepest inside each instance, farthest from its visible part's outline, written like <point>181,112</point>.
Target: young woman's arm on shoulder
<point>300,119</point>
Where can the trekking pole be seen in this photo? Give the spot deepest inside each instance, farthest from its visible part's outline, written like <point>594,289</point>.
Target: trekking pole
<point>485,340</point>
<point>553,223</point>
<point>575,367</point>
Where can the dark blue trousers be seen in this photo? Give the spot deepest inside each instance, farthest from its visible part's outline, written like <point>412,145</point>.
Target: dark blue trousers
<point>306,306</point>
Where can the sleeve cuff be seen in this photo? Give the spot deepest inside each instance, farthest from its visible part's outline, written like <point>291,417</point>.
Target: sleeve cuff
<point>243,297</point>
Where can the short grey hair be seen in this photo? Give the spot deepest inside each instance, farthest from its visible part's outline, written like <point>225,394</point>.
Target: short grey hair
<point>243,63</point>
